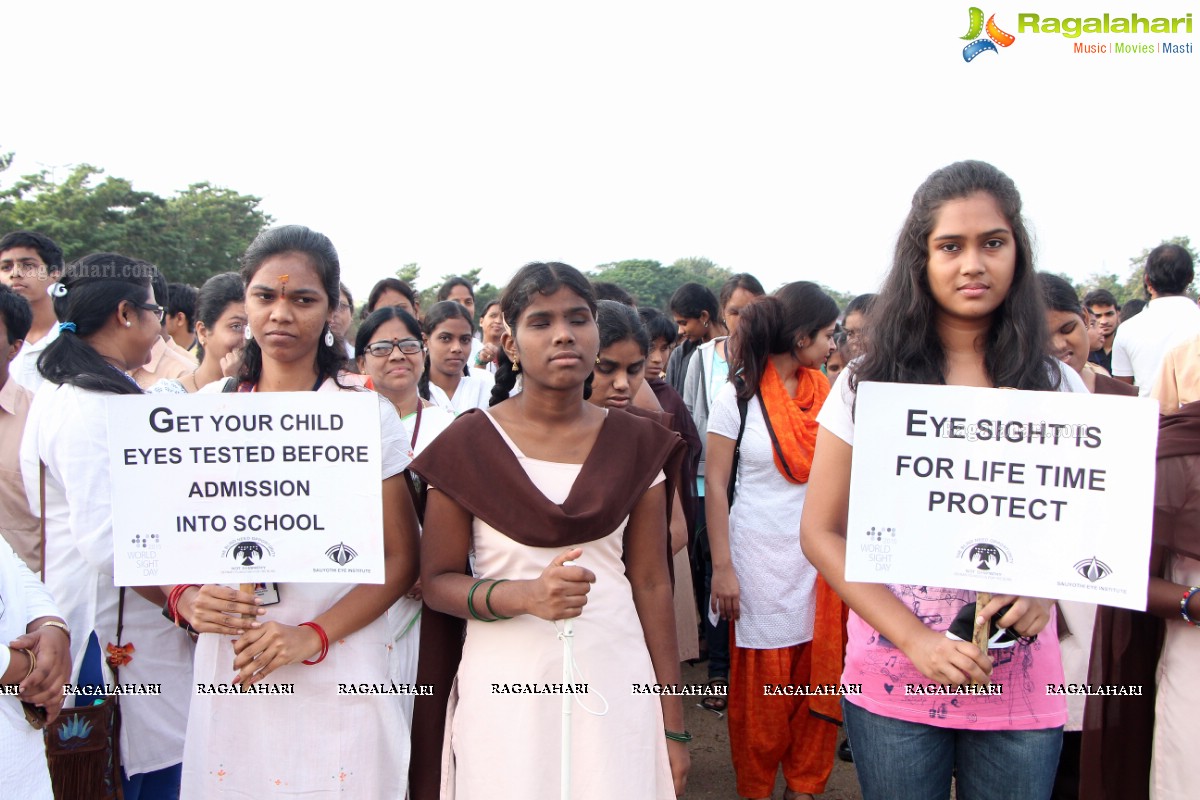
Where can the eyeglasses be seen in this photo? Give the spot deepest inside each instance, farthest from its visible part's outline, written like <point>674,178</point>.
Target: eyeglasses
<point>345,308</point>
<point>409,347</point>
<point>157,310</point>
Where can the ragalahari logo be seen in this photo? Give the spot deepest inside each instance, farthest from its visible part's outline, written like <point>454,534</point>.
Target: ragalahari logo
<point>995,36</point>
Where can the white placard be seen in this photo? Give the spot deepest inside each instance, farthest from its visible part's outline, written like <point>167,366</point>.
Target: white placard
<point>242,488</point>
<point>1044,494</point>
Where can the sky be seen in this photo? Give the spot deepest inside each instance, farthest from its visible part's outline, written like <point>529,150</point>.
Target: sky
<point>783,139</point>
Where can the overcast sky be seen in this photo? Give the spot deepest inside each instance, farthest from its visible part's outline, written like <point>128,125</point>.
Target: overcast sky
<point>779,138</point>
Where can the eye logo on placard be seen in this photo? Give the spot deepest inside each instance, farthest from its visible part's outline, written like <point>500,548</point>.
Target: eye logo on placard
<point>995,36</point>
<point>341,554</point>
<point>247,552</point>
<point>877,534</point>
<point>1093,569</point>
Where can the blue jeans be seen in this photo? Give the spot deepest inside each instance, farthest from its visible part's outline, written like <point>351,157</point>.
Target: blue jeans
<point>900,760</point>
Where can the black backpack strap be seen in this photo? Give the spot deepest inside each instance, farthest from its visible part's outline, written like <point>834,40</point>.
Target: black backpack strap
<point>231,385</point>
<point>743,407</point>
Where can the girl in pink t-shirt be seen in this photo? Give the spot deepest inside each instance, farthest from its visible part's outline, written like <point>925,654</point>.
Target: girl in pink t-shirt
<point>960,307</point>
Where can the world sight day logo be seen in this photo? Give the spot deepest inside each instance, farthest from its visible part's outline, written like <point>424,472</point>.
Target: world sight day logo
<point>982,44</point>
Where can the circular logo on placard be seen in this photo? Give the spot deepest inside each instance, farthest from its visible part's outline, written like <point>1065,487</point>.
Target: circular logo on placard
<point>248,552</point>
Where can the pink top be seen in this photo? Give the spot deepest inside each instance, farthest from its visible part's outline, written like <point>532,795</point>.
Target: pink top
<point>891,684</point>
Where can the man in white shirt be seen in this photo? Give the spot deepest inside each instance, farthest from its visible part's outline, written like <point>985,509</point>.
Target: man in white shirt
<point>1169,320</point>
<point>30,263</point>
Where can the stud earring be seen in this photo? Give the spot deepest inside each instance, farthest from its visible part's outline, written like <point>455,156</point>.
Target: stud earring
<point>328,338</point>
<point>128,324</point>
<point>597,359</point>
<point>247,333</point>
<point>705,324</point>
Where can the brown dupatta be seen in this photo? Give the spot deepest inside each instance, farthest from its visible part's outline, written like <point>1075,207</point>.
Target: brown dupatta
<point>1118,732</point>
<point>491,485</point>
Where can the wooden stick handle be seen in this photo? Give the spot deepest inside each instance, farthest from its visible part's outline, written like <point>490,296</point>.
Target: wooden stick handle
<point>248,588</point>
<point>979,635</point>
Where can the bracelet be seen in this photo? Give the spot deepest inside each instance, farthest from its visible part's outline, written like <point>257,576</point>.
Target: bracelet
<point>487,600</point>
<point>62,626</point>
<point>324,642</point>
<point>471,602</point>
<point>678,736</point>
<point>1183,604</point>
<point>174,598</point>
<point>32,663</point>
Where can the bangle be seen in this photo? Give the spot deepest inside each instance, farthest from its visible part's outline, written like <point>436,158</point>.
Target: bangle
<point>324,642</point>
<point>174,598</point>
<point>487,600</point>
<point>62,626</point>
<point>471,602</point>
<point>1183,604</point>
<point>678,736</point>
<point>32,663</point>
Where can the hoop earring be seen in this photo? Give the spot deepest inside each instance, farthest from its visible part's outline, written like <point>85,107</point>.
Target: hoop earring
<point>328,338</point>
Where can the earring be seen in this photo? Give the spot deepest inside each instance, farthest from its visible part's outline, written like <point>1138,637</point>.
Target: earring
<point>516,365</point>
<point>247,333</point>
<point>328,338</point>
<point>705,324</point>
<point>128,324</point>
<point>597,359</point>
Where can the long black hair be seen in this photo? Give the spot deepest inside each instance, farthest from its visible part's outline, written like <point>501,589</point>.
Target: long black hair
<point>618,322</point>
<point>87,295</point>
<point>331,359</point>
<point>393,284</point>
<point>904,343</point>
<point>366,331</point>
<point>773,324</point>
<point>438,313</point>
<point>217,293</point>
<point>532,279</point>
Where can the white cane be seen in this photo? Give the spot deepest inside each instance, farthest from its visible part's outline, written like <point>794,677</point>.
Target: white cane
<point>568,640</point>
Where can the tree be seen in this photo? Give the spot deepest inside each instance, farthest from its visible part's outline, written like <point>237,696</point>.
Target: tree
<point>650,283</point>
<point>409,273</point>
<point>191,236</point>
<point>1133,287</point>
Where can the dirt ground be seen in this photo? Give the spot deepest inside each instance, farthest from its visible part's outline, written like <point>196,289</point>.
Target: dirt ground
<point>711,777</point>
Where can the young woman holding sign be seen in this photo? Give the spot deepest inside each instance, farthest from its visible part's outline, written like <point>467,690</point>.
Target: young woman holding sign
<point>315,743</point>
<point>766,588</point>
<point>959,307</point>
<point>109,323</point>
<point>555,479</point>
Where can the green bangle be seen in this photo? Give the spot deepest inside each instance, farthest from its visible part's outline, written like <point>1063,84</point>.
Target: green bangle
<point>471,602</point>
<point>678,736</point>
<point>487,600</point>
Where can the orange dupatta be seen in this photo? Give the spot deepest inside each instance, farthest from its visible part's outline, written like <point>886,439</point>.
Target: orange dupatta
<point>793,420</point>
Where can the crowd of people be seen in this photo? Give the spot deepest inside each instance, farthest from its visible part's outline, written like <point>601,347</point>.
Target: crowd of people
<point>652,486</point>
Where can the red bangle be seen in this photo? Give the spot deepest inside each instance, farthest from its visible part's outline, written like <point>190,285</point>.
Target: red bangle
<point>324,642</point>
<point>174,598</point>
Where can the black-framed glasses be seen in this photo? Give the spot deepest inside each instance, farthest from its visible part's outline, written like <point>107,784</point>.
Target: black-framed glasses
<point>157,310</point>
<point>383,349</point>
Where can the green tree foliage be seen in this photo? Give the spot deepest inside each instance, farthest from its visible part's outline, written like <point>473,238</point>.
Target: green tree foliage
<point>1133,287</point>
<point>652,284</point>
<point>192,235</point>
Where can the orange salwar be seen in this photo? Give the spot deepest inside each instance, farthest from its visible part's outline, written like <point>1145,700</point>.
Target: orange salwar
<point>767,731</point>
